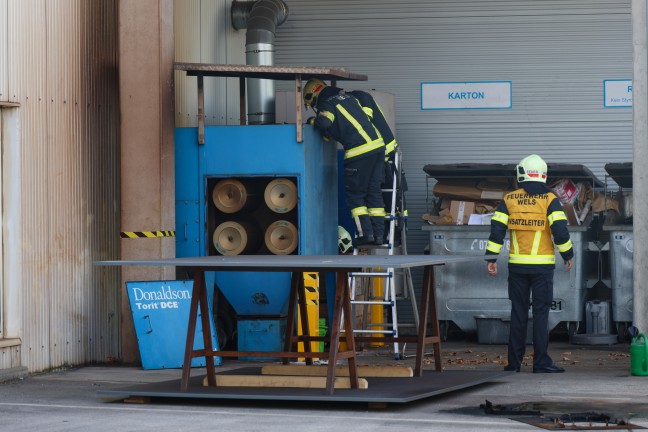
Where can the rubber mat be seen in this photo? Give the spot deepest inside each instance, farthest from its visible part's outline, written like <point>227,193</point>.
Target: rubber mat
<point>381,390</point>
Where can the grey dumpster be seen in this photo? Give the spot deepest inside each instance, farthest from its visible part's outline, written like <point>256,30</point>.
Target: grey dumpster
<point>621,279</point>
<point>465,291</point>
<point>621,249</point>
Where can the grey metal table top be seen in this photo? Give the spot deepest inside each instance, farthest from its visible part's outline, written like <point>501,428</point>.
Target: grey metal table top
<point>297,262</point>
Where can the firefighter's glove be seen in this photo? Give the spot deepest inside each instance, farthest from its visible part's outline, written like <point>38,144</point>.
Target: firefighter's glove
<point>311,121</point>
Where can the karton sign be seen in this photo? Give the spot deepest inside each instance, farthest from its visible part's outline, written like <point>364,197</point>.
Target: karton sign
<point>466,95</point>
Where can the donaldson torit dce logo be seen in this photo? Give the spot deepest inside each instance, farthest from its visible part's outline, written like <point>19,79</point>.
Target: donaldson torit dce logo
<point>163,298</point>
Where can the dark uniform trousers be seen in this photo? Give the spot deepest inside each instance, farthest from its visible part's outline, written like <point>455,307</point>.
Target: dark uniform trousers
<point>362,179</point>
<point>538,287</point>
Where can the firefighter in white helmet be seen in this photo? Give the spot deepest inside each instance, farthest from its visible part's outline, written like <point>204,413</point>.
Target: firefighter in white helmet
<point>537,225</point>
<point>340,116</point>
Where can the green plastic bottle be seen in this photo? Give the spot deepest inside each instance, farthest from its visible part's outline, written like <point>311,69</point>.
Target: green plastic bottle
<point>639,355</point>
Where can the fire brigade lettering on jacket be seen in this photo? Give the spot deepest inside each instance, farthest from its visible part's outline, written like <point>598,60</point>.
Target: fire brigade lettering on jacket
<point>536,222</point>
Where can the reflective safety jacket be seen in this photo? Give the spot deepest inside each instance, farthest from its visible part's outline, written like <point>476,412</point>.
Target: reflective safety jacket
<point>536,221</point>
<point>340,116</point>
<point>371,107</point>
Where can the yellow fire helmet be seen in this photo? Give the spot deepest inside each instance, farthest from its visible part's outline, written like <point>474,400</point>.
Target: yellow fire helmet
<point>531,168</point>
<point>312,89</point>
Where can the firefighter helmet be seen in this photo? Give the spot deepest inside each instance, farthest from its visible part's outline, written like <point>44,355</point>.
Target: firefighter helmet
<point>345,242</point>
<point>531,168</point>
<point>312,89</point>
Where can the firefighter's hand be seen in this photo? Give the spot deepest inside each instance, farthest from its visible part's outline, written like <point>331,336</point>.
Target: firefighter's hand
<point>311,121</point>
<point>492,268</point>
<point>569,264</point>
<point>325,138</point>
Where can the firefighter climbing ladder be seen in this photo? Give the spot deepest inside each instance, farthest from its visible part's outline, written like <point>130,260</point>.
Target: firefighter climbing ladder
<point>377,287</point>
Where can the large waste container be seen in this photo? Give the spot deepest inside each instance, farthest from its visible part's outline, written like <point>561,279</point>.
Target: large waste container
<point>464,290</point>
<point>620,240</point>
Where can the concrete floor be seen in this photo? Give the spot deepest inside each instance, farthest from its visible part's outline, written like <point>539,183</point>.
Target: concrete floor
<point>597,380</point>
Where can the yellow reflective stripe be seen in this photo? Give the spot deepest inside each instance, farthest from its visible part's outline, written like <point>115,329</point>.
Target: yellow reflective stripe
<point>536,242</point>
<point>329,115</point>
<point>364,148</point>
<point>494,247</point>
<point>359,211</point>
<point>556,216</point>
<point>565,246</point>
<point>529,259</point>
<point>500,217</point>
<point>516,248</point>
<point>368,110</point>
<point>376,211</point>
<point>354,122</point>
<point>390,147</point>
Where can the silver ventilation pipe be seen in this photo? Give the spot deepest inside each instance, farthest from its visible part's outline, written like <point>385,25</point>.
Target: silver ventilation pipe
<point>261,19</point>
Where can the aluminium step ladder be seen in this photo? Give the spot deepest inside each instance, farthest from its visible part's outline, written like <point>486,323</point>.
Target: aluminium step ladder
<point>377,287</point>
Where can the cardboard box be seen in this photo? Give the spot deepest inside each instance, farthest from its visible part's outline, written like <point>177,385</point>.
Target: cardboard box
<point>461,211</point>
<point>465,190</point>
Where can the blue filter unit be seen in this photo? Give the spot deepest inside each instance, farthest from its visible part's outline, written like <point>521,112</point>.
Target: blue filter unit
<point>255,190</point>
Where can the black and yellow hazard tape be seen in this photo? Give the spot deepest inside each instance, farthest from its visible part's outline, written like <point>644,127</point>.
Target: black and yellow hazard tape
<point>311,290</point>
<point>146,234</point>
<point>311,279</point>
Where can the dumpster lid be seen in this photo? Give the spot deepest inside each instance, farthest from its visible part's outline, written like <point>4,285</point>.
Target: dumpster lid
<point>621,173</point>
<point>467,170</point>
<point>572,171</point>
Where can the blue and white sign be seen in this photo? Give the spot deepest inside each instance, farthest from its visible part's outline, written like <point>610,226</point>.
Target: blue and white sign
<point>466,95</point>
<point>161,317</point>
<point>617,93</point>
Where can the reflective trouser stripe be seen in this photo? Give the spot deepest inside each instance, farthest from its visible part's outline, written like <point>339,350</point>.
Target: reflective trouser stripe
<point>377,212</point>
<point>359,211</point>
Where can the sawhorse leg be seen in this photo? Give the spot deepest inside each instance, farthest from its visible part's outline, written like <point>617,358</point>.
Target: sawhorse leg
<point>297,296</point>
<point>428,310</point>
<point>198,299</point>
<point>342,303</point>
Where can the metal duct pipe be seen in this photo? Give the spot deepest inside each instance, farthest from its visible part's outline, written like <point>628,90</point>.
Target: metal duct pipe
<point>261,18</point>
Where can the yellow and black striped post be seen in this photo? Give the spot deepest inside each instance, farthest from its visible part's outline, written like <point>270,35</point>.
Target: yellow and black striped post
<point>311,286</point>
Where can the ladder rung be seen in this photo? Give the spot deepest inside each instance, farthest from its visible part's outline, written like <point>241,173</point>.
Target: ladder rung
<point>387,325</point>
<point>374,331</point>
<point>372,302</point>
<point>371,274</point>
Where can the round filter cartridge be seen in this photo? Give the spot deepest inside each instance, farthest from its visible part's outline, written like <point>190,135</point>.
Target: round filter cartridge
<point>235,238</point>
<point>281,238</point>
<point>281,195</point>
<point>231,196</point>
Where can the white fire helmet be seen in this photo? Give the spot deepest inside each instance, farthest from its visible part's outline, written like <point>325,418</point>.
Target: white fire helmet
<point>345,243</point>
<point>531,168</point>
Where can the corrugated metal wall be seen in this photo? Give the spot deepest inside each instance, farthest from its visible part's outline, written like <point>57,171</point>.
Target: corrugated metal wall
<point>556,53</point>
<point>62,70</point>
<point>3,50</point>
<point>204,34</point>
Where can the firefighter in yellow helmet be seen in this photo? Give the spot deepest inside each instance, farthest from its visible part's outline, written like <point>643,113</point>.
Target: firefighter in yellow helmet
<point>340,116</point>
<point>377,116</point>
<point>537,225</point>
